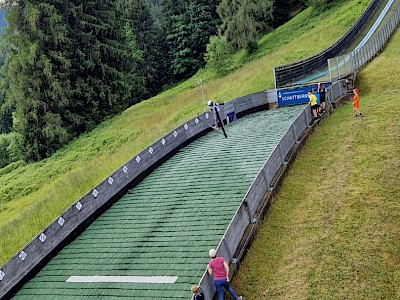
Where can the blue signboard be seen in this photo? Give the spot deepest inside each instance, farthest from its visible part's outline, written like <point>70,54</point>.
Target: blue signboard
<point>294,96</point>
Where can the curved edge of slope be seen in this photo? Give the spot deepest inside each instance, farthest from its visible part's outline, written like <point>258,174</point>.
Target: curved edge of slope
<point>73,221</point>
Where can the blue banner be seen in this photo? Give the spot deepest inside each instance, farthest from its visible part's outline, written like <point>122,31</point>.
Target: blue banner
<point>294,96</point>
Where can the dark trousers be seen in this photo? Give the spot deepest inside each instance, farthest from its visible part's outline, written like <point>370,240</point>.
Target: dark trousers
<point>219,284</point>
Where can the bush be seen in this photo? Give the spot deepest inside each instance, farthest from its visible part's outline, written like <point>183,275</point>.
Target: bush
<point>10,148</point>
<point>252,47</point>
<point>4,156</point>
<point>15,147</point>
<point>218,56</point>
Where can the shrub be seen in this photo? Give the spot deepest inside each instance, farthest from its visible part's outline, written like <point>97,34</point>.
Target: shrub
<point>10,148</point>
<point>251,46</point>
<point>217,56</point>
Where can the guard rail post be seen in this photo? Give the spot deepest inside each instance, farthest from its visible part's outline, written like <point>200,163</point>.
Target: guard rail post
<point>337,67</point>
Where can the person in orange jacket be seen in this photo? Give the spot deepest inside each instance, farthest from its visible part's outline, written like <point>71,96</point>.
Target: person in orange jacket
<point>356,104</point>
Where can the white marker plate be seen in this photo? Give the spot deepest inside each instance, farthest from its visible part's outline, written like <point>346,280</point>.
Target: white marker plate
<point>124,279</point>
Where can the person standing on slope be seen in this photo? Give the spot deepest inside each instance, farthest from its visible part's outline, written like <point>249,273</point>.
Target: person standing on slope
<point>322,95</point>
<point>197,293</point>
<point>313,104</point>
<point>219,268</point>
<point>356,104</point>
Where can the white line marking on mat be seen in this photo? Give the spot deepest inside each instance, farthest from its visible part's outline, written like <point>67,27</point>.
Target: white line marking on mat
<point>127,279</point>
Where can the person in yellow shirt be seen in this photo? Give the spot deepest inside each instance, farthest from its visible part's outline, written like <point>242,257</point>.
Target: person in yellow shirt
<point>314,105</point>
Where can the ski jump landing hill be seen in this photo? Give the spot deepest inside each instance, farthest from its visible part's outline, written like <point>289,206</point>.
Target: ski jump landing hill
<point>145,231</point>
<point>316,67</point>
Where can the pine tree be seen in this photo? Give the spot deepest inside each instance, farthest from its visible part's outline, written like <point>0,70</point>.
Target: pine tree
<point>71,65</point>
<point>281,13</point>
<point>155,9</point>
<point>203,24</point>
<point>171,8</point>
<point>150,43</point>
<point>6,109</point>
<point>243,21</point>
<point>105,68</point>
<point>6,121</point>
<point>190,26</point>
<point>36,72</point>
<point>284,8</point>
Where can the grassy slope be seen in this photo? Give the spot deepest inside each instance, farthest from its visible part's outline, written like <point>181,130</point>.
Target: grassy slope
<point>333,231</point>
<point>31,196</point>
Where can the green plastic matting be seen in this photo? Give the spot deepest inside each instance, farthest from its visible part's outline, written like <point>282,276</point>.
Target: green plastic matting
<point>166,224</point>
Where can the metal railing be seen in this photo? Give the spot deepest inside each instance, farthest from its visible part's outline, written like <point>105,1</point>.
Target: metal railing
<point>289,73</point>
<point>344,65</point>
<point>265,183</point>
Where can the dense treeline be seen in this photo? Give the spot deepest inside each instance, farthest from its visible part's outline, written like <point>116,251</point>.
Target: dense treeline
<point>70,64</point>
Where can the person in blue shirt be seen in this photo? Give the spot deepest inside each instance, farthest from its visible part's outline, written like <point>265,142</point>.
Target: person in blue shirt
<point>322,94</point>
<point>197,293</point>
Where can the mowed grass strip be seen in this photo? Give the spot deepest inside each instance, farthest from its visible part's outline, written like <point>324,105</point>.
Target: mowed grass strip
<point>33,195</point>
<point>333,231</point>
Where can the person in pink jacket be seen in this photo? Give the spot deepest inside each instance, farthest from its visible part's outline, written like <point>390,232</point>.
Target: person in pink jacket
<point>219,268</point>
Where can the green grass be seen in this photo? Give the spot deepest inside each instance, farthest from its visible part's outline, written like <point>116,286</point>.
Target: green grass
<point>333,230</point>
<point>33,195</point>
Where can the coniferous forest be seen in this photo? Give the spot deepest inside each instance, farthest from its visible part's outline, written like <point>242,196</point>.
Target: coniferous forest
<point>68,65</point>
